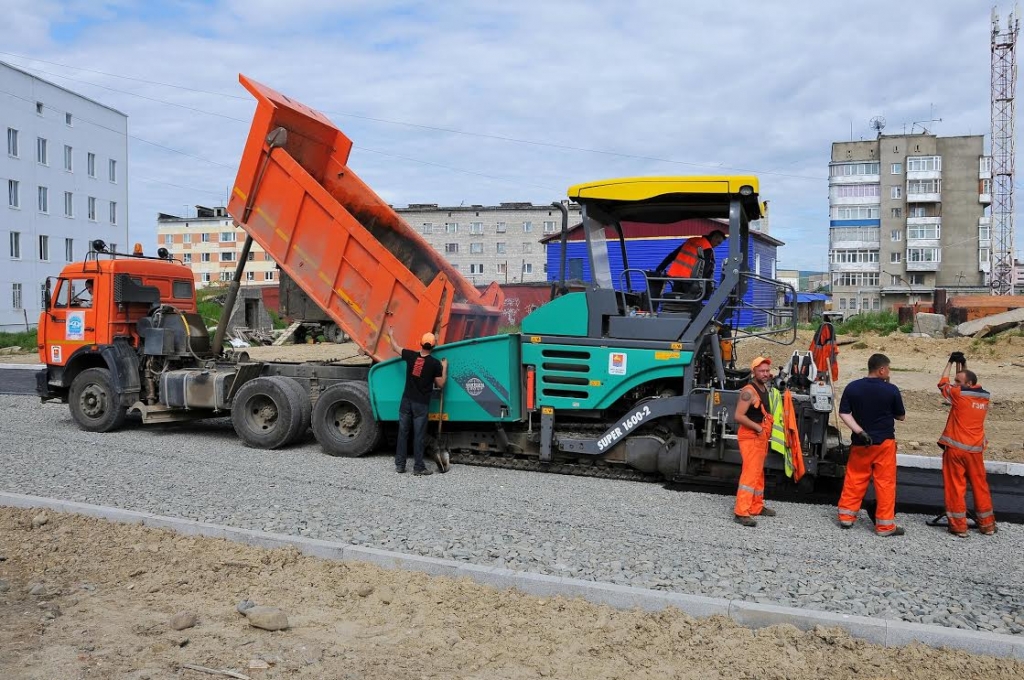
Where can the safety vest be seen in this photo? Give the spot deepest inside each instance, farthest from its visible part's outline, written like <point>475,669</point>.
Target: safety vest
<point>755,404</point>
<point>785,439</point>
<point>965,426</point>
<point>825,352</point>
<point>685,264</point>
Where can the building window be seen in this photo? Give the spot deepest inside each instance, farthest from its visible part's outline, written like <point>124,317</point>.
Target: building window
<point>924,186</point>
<point>204,257</point>
<point>251,257</point>
<point>500,247</point>
<point>896,235</point>
<point>854,169</point>
<point>206,277</point>
<point>227,237</point>
<point>250,276</point>
<point>855,212</point>
<point>268,276</point>
<point>92,209</point>
<point>451,247</point>
<point>896,169</point>
<point>187,258</point>
<point>895,257</point>
<point>924,231</point>
<point>527,267</point>
<point>847,257</point>
<point>113,171</point>
<point>986,186</point>
<point>14,193</point>
<point>924,255</point>
<point>42,151</point>
<point>113,212</point>
<point>451,227</point>
<point>897,213</point>
<point>501,228</point>
<point>549,227</point>
<point>983,255</point>
<point>856,191</point>
<point>44,247</point>
<point>15,245</point>
<point>90,164</point>
<point>502,268</point>
<point>896,192</point>
<point>267,257</point>
<point>168,239</point>
<point>227,256</point>
<point>917,279</point>
<point>476,269</point>
<point>69,250</point>
<point>862,279</point>
<point>225,276</point>
<point>917,211</point>
<point>924,164</point>
<point>894,280</point>
<point>205,237</point>
<point>44,200</point>
<point>16,301</point>
<point>67,158</point>
<point>476,248</point>
<point>69,204</point>
<point>527,227</point>
<point>842,303</point>
<point>984,232</point>
<point>39,108</point>
<point>68,120</point>
<point>427,228</point>
<point>476,227</point>
<point>186,238</point>
<point>12,143</point>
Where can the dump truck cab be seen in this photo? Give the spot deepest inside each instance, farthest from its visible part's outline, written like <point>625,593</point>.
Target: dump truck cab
<point>93,314</point>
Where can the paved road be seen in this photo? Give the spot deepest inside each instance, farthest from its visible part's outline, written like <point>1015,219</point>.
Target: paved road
<point>17,381</point>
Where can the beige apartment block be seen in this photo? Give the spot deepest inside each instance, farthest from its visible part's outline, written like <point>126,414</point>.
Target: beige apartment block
<point>211,244</point>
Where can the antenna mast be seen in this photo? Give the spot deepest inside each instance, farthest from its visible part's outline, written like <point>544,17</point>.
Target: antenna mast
<point>1004,85</point>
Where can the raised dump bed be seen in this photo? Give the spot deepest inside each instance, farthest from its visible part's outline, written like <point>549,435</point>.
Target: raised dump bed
<point>340,242</point>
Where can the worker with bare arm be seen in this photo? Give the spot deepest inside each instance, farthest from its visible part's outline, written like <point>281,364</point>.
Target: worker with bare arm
<point>869,407</point>
<point>755,428</point>
<point>963,447</point>
<point>422,373</point>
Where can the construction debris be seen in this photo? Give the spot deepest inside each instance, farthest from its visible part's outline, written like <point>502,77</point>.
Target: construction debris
<point>990,325</point>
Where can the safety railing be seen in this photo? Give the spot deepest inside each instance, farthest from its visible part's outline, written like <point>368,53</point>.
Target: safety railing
<point>641,291</point>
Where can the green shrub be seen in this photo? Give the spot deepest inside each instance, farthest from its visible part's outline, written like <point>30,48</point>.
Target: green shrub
<point>26,340</point>
<point>508,330</point>
<point>882,323</point>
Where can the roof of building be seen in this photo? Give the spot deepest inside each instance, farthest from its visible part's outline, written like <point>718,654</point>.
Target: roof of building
<point>60,87</point>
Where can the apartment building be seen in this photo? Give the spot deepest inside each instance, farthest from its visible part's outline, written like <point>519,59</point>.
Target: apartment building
<point>907,214</point>
<point>490,243</point>
<point>211,244</point>
<point>66,175</point>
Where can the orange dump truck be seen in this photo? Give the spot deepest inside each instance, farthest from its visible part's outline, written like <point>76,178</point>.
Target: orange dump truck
<point>340,242</point>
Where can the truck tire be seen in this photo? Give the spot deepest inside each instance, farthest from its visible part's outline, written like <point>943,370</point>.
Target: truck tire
<point>266,413</point>
<point>95,405</point>
<point>343,420</point>
<point>305,407</point>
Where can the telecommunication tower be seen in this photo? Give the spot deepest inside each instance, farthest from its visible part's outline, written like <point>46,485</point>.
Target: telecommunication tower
<point>1004,84</point>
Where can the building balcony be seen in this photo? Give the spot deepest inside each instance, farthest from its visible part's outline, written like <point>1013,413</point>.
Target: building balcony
<point>924,198</point>
<point>924,174</point>
<point>854,179</point>
<point>985,167</point>
<point>923,243</point>
<point>853,200</point>
<point>985,199</point>
<point>923,221</point>
<point>923,266</point>
<point>872,267</point>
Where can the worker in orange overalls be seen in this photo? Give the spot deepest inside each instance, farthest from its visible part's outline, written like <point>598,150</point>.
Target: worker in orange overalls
<point>869,407</point>
<point>685,261</point>
<point>755,430</point>
<point>963,443</point>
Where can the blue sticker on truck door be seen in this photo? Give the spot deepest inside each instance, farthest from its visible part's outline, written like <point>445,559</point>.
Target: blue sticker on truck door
<point>75,326</point>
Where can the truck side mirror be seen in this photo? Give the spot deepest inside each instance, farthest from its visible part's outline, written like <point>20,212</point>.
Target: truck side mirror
<point>48,294</point>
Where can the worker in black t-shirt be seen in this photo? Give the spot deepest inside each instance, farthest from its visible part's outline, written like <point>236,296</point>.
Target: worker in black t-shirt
<point>422,372</point>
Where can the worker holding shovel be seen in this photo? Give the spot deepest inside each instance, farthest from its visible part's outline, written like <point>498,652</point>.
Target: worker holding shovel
<point>422,373</point>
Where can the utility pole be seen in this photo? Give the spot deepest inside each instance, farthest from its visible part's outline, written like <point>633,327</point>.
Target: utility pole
<point>1004,86</point>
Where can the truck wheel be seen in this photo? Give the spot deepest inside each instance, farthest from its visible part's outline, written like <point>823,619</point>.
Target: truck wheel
<point>95,405</point>
<point>266,413</point>
<point>343,420</point>
<point>305,408</point>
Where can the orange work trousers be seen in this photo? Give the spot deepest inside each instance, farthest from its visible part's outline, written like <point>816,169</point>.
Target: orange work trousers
<point>753,449</point>
<point>958,468</point>
<point>878,461</point>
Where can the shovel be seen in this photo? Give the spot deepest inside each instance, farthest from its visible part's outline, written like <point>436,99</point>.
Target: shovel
<point>441,455</point>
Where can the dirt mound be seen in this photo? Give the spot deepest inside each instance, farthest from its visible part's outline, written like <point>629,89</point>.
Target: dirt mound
<point>83,598</point>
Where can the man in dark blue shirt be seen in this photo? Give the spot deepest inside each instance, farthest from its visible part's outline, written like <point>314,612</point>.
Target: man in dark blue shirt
<point>870,406</point>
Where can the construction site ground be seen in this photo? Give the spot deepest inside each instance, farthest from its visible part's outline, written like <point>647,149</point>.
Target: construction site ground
<point>84,598</point>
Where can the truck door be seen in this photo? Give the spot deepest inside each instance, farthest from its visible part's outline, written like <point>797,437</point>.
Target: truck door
<point>71,320</point>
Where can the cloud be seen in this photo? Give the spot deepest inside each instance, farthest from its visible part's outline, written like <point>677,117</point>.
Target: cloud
<point>666,88</point>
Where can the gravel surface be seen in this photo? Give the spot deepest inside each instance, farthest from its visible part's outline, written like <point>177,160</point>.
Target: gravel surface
<point>619,532</point>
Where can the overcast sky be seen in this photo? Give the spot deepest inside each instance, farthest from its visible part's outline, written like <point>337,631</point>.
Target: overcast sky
<point>450,103</point>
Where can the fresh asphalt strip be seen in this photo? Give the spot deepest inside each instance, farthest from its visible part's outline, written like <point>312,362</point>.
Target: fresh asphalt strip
<point>874,630</point>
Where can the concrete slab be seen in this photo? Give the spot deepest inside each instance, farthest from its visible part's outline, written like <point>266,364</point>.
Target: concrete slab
<point>754,615</point>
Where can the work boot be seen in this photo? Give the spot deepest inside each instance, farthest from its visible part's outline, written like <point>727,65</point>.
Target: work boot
<point>399,469</point>
<point>846,523</point>
<point>898,531</point>
<point>958,534</point>
<point>745,520</point>
<point>767,512</point>
<point>988,531</point>
<point>422,473</point>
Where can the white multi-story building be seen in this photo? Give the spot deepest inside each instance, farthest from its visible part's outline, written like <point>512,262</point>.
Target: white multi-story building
<point>490,243</point>
<point>908,214</point>
<point>66,175</point>
<point>211,244</point>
